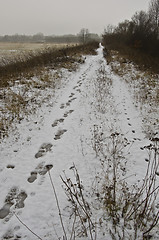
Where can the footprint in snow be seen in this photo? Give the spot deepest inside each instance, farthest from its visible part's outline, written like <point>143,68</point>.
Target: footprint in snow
<point>56,122</point>
<point>71,100</point>
<point>70,111</point>
<point>60,120</point>
<point>45,147</point>
<point>68,103</point>
<point>5,210</point>
<point>137,139</point>
<point>65,105</point>
<point>11,235</point>
<point>41,170</point>
<point>59,134</point>
<point>45,169</point>
<point>62,106</point>
<point>71,95</point>
<point>33,177</point>
<point>75,87</point>
<point>67,113</point>
<point>20,199</point>
<point>10,166</point>
<point>14,197</point>
<point>78,90</point>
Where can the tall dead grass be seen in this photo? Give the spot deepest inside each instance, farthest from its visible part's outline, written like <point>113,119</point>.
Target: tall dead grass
<point>22,79</point>
<point>25,63</point>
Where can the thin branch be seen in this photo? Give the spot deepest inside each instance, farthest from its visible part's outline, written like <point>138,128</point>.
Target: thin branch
<point>153,224</point>
<point>58,206</point>
<point>27,227</point>
<point>84,210</point>
<point>73,227</point>
<point>141,203</point>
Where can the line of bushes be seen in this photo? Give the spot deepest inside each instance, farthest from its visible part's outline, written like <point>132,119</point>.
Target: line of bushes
<point>137,39</point>
<point>48,56</point>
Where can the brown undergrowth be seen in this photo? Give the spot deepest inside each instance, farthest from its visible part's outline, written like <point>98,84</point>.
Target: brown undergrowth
<point>144,85</point>
<point>111,208</point>
<point>23,80</point>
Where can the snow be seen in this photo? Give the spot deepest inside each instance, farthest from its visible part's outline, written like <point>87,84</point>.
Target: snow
<point>61,134</point>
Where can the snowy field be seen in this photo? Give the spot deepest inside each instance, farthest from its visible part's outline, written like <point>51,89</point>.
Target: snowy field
<point>11,51</point>
<point>91,114</point>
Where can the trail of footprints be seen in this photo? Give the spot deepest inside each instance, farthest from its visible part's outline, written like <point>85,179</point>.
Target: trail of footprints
<point>16,197</point>
<point>128,119</point>
<point>45,147</point>
<point>71,97</point>
<point>41,169</point>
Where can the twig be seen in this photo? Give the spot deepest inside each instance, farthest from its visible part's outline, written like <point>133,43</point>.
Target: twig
<point>75,195</point>
<point>128,217</point>
<point>58,206</point>
<point>73,227</point>
<point>55,232</point>
<point>83,200</point>
<point>126,177</point>
<point>155,221</point>
<point>27,227</point>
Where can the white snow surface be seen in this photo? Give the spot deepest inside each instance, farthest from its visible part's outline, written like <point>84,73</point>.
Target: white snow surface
<point>67,124</point>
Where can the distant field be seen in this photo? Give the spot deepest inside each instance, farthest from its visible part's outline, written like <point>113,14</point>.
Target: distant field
<point>11,50</point>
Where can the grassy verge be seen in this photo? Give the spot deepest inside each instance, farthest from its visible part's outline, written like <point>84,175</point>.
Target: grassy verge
<point>111,207</point>
<point>23,80</point>
<point>30,62</point>
<point>143,60</point>
<point>144,87</point>
<point>130,211</point>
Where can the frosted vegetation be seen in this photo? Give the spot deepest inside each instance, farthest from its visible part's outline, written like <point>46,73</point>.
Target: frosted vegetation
<point>79,150</point>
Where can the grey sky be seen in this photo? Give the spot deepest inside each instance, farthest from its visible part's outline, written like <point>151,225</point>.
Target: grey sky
<point>64,16</point>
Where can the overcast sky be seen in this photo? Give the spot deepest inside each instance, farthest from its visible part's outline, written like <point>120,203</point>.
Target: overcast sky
<point>64,16</point>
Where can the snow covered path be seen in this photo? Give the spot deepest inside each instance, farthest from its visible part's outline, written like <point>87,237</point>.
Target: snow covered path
<point>64,137</point>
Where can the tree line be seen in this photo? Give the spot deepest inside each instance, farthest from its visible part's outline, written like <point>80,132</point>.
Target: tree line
<point>84,36</point>
<point>141,32</point>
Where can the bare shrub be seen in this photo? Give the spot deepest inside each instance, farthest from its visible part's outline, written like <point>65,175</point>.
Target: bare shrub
<point>80,208</point>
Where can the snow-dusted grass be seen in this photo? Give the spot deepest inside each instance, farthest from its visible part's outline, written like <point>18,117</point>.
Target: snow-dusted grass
<point>144,87</point>
<point>24,78</point>
<point>91,134</point>
<point>9,51</point>
<point>24,97</point>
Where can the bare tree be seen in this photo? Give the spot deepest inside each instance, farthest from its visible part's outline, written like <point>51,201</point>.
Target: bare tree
<point>109,29</point>
<point>154,15</point>
<point>84,35</point>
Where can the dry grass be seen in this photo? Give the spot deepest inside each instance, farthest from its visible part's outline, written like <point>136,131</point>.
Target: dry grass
<point>143,60</point>
<point>11,49</point>
<point>129,211</point>
<point>23,81</point>
<point>29,61</point>
<point>144,86</point>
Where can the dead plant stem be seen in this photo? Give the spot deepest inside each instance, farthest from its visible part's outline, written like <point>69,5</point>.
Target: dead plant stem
<point>27,227</point>
<point>58,206</point>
